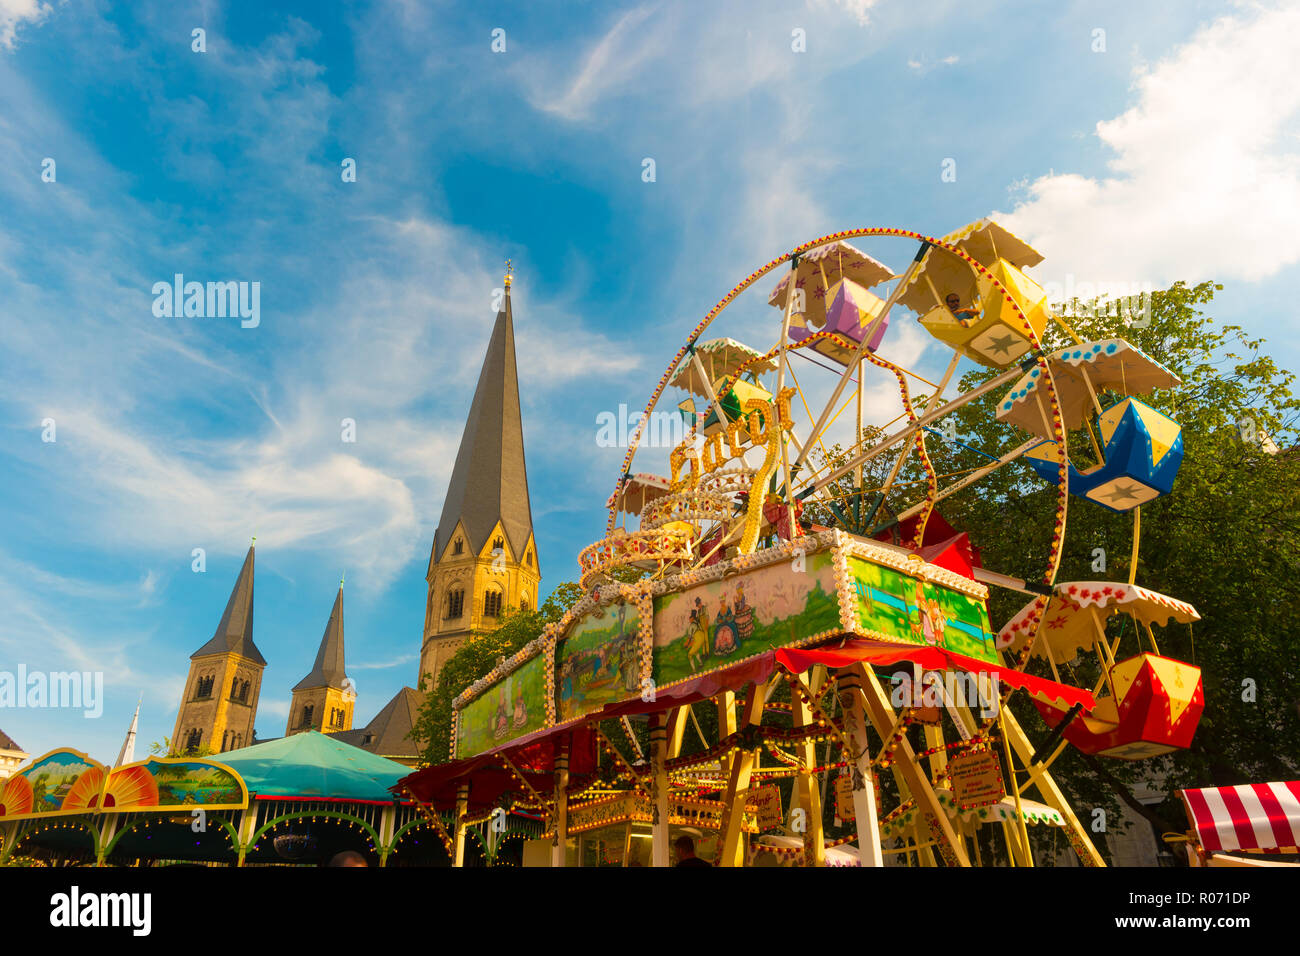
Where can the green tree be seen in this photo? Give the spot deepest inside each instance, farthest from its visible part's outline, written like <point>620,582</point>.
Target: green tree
<point>1227,540</point>
<point>475,658</point>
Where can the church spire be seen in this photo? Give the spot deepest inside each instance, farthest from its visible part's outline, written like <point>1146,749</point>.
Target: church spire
<point>235,632</point>
<point>328,669</point>
<point>127,754</point>
<point>489,482</point>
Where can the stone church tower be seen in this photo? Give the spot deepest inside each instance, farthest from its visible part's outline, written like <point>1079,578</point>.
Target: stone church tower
<point>484,559</point>
<point>220,700</point>
<point>323,700</point>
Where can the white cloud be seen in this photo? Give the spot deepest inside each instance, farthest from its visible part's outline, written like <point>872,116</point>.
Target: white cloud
<point>860,10</point>
<point>1205,179</point>
<point>13,13</point>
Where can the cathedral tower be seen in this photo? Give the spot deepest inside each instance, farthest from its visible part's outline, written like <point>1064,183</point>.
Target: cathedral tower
<point>323,699</point>
<point>484,559</point>
<point>220,700</point>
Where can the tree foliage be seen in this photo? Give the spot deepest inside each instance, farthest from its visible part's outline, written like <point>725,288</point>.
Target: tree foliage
<point>1227,540</point>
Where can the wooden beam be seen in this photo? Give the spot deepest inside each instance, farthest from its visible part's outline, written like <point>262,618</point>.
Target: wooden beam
<point>805,791</point>
<point>859,756</point>
<point>660,851</point>
<point>881,713</point>
<point>731,851</point>
<point>1048,790</point>
<point>458,834</point>
<point>560,840</point>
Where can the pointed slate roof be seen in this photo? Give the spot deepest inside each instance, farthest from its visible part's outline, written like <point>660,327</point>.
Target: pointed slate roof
<point>8,743</point>
<point>386,734</point>
<point>235,632</point>
<point>328,669</point>
<point>489,481</point>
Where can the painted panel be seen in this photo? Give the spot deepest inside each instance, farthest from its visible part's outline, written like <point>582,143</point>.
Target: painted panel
<point>512,707</point>
<point>711,625</point>
<point>598,661</point>
<point>895,606</point>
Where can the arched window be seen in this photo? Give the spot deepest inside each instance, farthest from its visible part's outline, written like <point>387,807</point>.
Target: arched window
<point>455,603</point>
<point>243,692</point>
<point>192,741</point>
<point>529,557</point>
<point>498,545</point>
<point>234,689</point>
<point>458,547</point>
<point>492,604</point>
<point>307,715</point>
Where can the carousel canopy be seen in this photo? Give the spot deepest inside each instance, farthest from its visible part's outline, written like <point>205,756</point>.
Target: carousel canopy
<point>312,764</point>
<point>636,492</point>
<point>1067,621</point>
<point>821,268</point>
<point>1108,365</point>
<point>720,357</point>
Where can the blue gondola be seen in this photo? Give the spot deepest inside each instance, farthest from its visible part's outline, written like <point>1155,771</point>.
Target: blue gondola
<point>1143,452</point>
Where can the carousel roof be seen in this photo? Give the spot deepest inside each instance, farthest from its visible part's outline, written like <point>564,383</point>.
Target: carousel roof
<point>312,764</point>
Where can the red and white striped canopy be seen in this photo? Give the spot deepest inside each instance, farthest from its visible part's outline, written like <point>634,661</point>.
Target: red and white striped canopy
<point>1256,816</point>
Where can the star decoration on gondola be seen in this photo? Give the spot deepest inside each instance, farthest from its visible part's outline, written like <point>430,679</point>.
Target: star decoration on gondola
<point>1128,493</point>
<point>1003,343</point>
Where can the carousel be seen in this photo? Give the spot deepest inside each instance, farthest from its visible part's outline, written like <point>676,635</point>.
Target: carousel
<point>296,801</point>
<point>784,651</point>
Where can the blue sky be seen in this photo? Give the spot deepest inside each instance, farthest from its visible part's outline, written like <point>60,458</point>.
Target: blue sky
<point>1171,154</point>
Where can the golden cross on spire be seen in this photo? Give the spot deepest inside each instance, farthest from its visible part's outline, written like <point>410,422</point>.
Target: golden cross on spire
<point>510,272</point>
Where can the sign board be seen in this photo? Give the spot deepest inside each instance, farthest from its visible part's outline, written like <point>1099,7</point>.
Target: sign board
<point>844,798</point>
<point>763,804</point>
<point>977,779</point>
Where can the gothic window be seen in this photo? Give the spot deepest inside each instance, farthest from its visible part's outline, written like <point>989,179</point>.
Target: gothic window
<point>203,690</point>
<point>192,741</point>
<point>455,603</point>
<point>498,546</point>
<point>234,689</point>
<point>306,716</point>
<point>492,604</point>
<point>529,557</point>
<point>243,692</point>
<point>458,547</point>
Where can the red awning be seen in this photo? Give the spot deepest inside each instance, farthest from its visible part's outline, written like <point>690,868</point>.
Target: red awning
<point>880,654</point>
<point>534,756</point>
<point>1255,816</point>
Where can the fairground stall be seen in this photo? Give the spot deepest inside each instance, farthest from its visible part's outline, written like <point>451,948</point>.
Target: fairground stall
<point>778,617</point>
<point>298,800</point>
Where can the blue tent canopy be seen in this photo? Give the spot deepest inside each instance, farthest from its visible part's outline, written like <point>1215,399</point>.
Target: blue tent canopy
<point>312,764</point>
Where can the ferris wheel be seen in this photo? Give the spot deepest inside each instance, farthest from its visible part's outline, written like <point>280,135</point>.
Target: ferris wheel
<point>814,421</point>
<point>855,426</point>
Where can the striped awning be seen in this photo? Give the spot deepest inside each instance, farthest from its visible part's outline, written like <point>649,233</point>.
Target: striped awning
<point>1264,817</point>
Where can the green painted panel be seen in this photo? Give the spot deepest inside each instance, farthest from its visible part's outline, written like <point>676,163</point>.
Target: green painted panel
<point>510,708</point>
<point>908,609</point>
